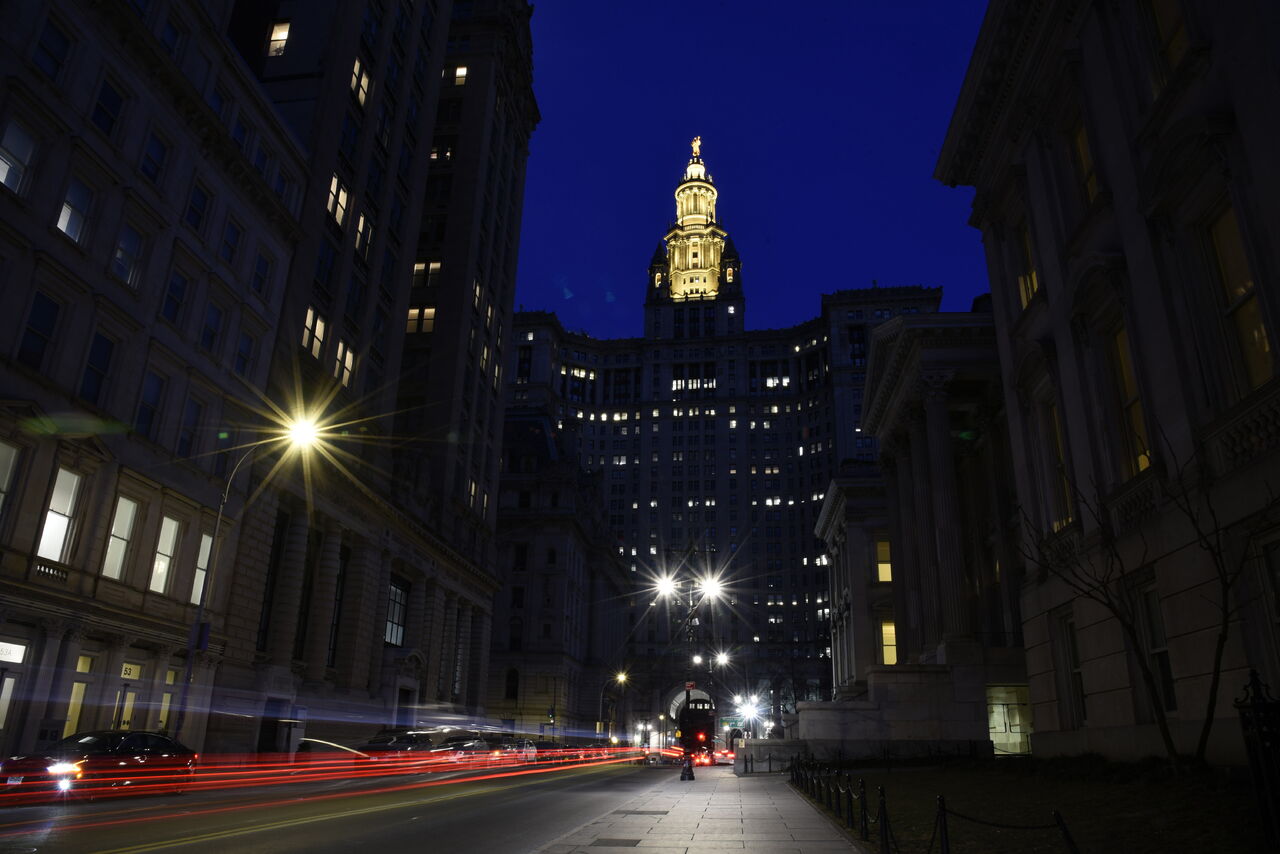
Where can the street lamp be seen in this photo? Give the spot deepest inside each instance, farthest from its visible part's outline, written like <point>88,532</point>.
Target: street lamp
<point>299,435</point>
<point>621,679</point>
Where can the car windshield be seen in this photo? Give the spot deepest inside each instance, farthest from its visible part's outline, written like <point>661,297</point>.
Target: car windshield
<point>88,742</point>
<point>382,739</point>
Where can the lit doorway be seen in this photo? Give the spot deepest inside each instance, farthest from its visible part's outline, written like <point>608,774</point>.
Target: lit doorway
<point>1009,719</point>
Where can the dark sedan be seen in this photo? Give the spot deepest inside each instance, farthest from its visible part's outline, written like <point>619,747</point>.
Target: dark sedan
<point>101,763</point>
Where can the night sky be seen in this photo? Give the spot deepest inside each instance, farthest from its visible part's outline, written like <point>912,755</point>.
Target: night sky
<point>821,130</point>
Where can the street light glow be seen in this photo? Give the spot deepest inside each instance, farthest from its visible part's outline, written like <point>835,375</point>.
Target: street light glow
<point>711,588</point>
<point>303,433</point>
<point>722,658</point>
<point>666,586</point>
<point>621,677</point>
<point>697,659</point>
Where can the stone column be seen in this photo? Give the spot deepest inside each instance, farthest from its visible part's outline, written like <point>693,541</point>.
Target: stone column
<point>478,681</point>
<point>904,552</point>
<point>357,633</point>
<point>60,691</point>
<point>383,563</point>
<point>155,694</point>
<point>954,593</point>
<point>462,667</point>
<point>288,593</point>
<point>41,680</point>
<point>448,647</point>
<point>415,616</point>
<point>922,534</point>
<point>323,600</point>
<point>433,633</point>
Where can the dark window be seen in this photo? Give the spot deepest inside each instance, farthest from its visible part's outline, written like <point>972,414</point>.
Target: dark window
<point>212,329</point>
<point>52,49</point>
<point>324,265</point>
<point>512,690</point>
<point>154,154</point>
<point>261,273</point>
<point>173,297</point>
<point>356,297</point>
<point>515,638</point>
<point>149,405</point>
<point>230,241</point>
<point>39,331</point>
<point>350,137</point>
<point>106,112</point>
<point>191,416</point>
<point>197,207</point>
<point>244,354</point>
<point>96,368</point>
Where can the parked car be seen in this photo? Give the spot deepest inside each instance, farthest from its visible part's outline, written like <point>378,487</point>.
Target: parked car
<point>392,742</point>
<point>320,751</point>
<point>520,749</point>
<point>460,748</point>
<point>102,762</point>
<point>724,756</point>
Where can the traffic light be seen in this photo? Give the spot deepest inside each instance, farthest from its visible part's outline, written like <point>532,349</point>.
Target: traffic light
<point>702,736</point>
<point>551,715</point>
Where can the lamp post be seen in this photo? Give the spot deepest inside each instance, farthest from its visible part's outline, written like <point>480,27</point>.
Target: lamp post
<point>300,435</point>
<point>621,679</point>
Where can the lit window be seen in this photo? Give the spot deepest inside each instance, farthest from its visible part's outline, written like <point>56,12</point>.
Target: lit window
<point>313,333</point>
<point>118,541</point>
<point>338,197</point>
<point>55,538</point>
<point>344,363</point>
<point>460,76</point>
<point>127,261</point>
<point>166,547</point>
<point>1085,170</point>
<point>1137,456</point>
<point>202,568</point>
<point>1028,279</point>
<point>364,236</point>
<point>16,149</point>
<point>8,461</point>
<point>75,210</point>
<point>421,320</point>
<point>888,642</point>
<point>359,82</point>
<point>279,38</point>
<point>884,568</point>
<point>1240,299</point>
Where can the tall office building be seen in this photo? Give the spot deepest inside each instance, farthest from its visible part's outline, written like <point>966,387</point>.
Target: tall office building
<point>716,444</point>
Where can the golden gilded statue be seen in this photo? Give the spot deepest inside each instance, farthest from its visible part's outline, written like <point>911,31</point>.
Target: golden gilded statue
<point>697,146</point>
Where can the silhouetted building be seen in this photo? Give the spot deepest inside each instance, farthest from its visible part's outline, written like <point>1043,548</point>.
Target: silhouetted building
<point>558,620</point>
<point>1126,175</point>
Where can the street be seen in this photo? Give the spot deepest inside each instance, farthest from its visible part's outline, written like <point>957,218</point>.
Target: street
<point>509,810</point>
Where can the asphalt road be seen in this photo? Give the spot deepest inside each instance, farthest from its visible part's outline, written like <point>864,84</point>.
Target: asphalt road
<point>517,811</point>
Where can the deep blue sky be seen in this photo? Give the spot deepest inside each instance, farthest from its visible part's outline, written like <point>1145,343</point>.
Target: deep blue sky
<point>820,128</point>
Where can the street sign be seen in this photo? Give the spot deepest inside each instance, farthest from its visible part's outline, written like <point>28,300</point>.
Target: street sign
<point>731,721</point>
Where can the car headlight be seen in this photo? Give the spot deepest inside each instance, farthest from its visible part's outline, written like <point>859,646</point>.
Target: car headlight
<point>63,768</point>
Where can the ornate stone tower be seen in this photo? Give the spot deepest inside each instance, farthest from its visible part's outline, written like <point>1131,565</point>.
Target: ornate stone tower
<point>698,263</point>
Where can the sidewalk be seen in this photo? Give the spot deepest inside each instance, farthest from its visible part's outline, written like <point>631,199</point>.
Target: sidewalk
<point>714,812</point>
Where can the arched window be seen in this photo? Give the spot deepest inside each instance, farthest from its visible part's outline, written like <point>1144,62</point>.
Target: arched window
<point>513,684</point>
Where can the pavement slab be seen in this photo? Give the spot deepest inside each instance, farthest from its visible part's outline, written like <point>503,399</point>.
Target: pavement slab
<point>717,811</point>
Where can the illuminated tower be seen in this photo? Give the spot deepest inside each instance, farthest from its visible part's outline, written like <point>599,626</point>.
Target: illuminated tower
<point>697,265</point>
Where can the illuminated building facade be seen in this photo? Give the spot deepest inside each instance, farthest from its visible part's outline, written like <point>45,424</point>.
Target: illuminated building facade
<point>715,444</point>
<point>235,233</point>
<point>1126,179</point>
